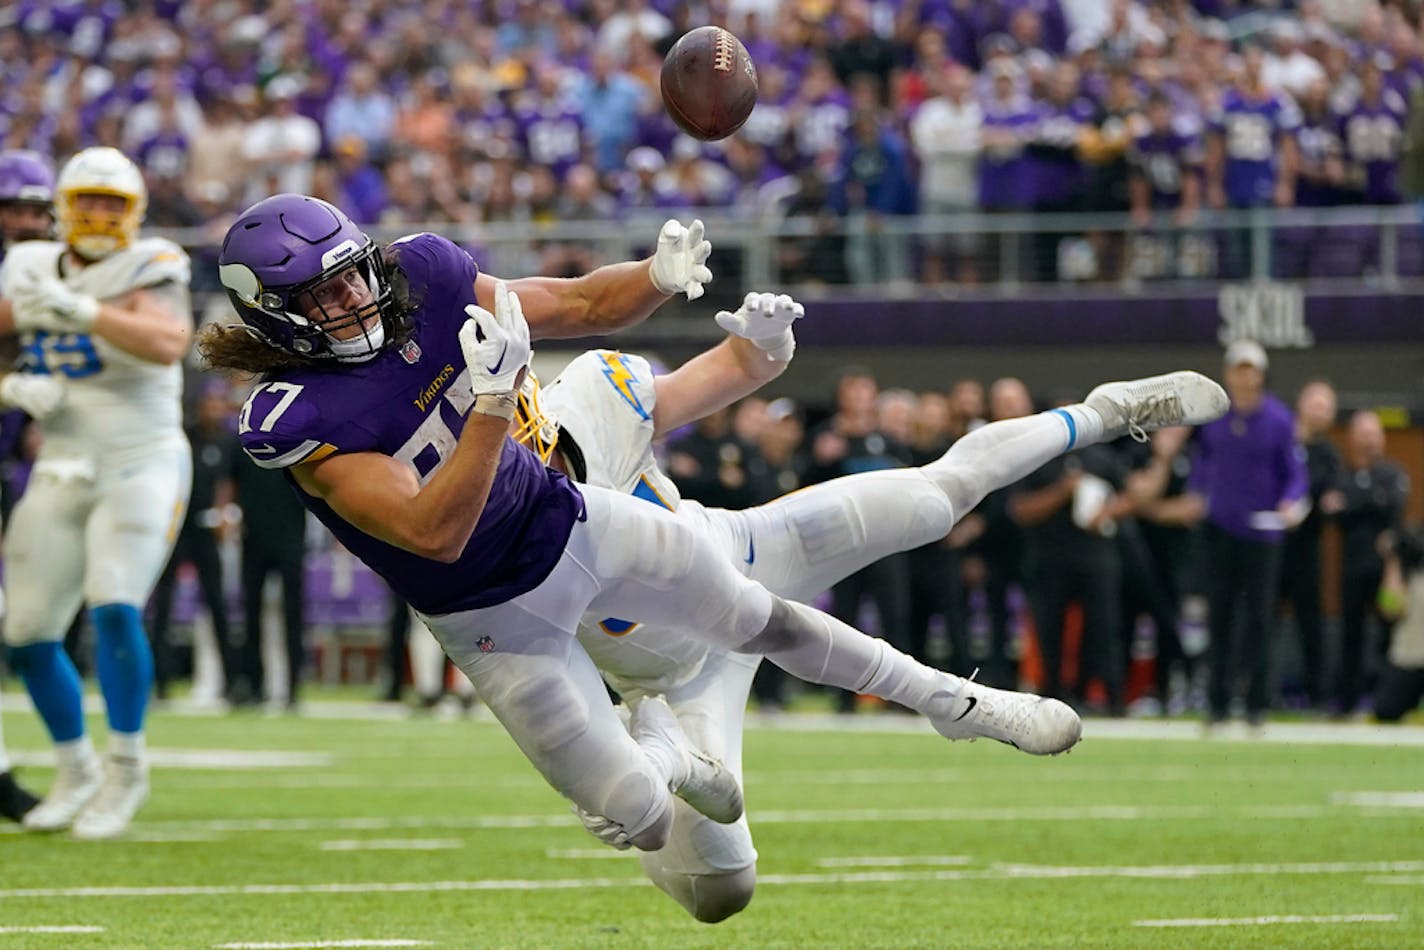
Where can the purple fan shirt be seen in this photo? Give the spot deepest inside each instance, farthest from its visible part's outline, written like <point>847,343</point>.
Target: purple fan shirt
<point>551,134</point>
<point>1055,173</point>
<point>1005,179</point>
<point>1373,137</point>
<point>1165,159</point>
<point>1252,129</point>
<point>411,402</point>
<point>1318,139</point>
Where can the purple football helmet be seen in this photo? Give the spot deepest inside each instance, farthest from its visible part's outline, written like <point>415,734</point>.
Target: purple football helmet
<point>276,262</point>
<point>26,181</point>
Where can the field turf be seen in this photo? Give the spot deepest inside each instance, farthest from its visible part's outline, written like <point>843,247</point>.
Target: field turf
<point>350,827</point>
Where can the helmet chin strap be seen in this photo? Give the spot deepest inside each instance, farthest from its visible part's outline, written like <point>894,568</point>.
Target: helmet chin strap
<point>361,348</point>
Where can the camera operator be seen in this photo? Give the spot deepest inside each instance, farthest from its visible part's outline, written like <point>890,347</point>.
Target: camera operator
<point>1401,601</point>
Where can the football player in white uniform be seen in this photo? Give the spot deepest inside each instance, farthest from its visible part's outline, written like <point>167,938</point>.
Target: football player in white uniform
<point>26,214</point>
<point>108,312</point>
<point>598,421</point>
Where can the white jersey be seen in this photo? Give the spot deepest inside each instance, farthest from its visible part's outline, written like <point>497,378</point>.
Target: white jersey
<point>117,404</point>
<point>604,400</point>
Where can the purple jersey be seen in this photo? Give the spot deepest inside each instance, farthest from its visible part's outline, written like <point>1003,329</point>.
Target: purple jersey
<point>410,402</point>
<point>480,126</point>
<point>822,124</point>
<point>552,135</point>
<point>1165,160</point>
<point>1004,176</point>
<point>1252,129</point>
<point>1373,137</point>
<point>1056,175</point>
<point>1318,140</point>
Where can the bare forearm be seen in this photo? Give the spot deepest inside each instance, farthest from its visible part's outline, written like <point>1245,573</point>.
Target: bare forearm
<point>610,298</point>
<point>444,512</point>
<point>382,497</point>
<point>711,380</point>
<point>150,335</point>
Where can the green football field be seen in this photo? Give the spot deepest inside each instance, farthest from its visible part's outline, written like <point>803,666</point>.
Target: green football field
<point>350,827</point>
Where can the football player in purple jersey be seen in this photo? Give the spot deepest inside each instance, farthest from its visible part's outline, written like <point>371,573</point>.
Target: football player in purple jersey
<point>390,378</point>
<point>26,214</point>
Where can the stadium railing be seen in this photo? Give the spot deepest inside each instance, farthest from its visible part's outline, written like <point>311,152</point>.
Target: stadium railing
<point>1378,247</point>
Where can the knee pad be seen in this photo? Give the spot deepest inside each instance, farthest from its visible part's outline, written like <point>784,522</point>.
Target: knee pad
<point>715,897</point>
<point>643,806</point>
<point>709,898</point>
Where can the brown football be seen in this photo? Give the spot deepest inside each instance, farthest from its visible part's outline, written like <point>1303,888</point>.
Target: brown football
<point>709,83</point>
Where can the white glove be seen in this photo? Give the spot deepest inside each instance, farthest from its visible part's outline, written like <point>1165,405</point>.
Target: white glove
<point>766,320</point>
<point>496,348</point>
<point>680,262</point>
<point>47,303</point>
<point>609,832</point>
<point>37,395</point>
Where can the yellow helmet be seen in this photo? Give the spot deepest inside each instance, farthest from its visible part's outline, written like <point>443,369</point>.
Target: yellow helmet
<point>99,171</point>
<point>535,429</point>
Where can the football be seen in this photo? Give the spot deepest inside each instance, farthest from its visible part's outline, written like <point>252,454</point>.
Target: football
<point>709,83</point>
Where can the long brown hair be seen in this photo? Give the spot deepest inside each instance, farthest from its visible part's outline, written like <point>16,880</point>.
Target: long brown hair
<point>236,346</point>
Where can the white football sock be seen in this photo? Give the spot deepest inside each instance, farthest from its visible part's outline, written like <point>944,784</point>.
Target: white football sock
<point>128,745</point>
<point>74,754</point>
<point>1001,453</point>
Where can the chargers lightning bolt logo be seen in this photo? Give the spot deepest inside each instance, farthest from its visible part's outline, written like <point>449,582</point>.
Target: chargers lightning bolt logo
<point>621,377</point>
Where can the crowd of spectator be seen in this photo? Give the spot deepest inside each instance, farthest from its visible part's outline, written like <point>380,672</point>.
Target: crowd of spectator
<point>468,111</point>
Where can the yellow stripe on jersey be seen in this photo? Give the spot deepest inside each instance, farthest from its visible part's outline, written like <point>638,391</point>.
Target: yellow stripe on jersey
<point>327,449</point>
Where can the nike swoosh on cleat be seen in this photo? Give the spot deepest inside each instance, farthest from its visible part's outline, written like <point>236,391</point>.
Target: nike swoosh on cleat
<point>751,550</point>
<point>973,701</point>
<point>499,362</point>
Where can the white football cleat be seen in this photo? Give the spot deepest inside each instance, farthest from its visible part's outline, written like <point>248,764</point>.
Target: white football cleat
<point>1138,406</point>
<point>112,810</point>
<point>1032,724</point>
<point>700,780</point>
<point>74,787</point>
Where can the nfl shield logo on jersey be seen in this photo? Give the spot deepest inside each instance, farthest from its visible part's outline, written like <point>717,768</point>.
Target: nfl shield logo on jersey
<point>485,644</point>
<point>410,351</point>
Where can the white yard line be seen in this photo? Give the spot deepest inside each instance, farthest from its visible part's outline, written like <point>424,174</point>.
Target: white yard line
<point>586,854</point>
<point>1380,799</point>
<point>392,844</point>
<point>1185,730</point>
<point>1045,813</point>
<point>1207,870</point>
<point>895,861</point>
<point>302,945</point>
<point>1274,919</point>
<point>1415,880</point>
<point>57,929</point>
<point>998,872</point>
<point>205,759</point>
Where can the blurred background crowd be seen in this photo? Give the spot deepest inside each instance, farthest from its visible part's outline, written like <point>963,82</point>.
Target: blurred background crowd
<point>437,111</point>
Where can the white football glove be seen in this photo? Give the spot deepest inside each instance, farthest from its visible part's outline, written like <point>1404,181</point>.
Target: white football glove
<point>609,832</point>
<point>496,348</point>
<point>766,320</point>
<point>37,395</point>
<point>43,302</point>
<point>680,262</point>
